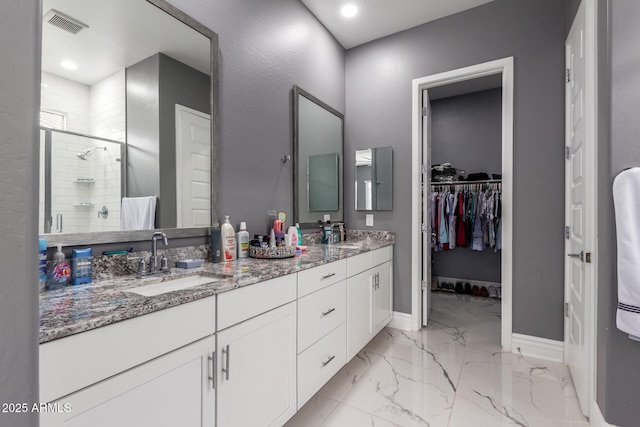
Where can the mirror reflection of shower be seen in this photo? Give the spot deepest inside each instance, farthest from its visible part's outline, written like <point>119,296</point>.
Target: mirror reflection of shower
<point>88,152</point>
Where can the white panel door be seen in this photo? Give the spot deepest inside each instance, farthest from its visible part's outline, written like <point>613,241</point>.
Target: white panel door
<point>257,370</point>
<point>193,167</point>
<point>577,242</point>
<point>426,209</point>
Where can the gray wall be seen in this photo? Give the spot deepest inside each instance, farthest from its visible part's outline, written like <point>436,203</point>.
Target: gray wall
<point>265,49</point>
<point>466,130</point>
<point>379,76</point>
<point>151,127</point>
<point>19,136</point>
<point>619,100</point>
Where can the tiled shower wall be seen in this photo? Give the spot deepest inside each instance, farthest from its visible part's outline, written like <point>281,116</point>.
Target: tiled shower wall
<point>98,110</point>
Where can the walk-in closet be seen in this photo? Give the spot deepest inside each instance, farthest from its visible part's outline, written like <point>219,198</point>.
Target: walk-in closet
<point>466,203</point>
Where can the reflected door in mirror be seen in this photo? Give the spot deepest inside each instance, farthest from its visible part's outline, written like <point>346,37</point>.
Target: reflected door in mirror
<point>374,179</point>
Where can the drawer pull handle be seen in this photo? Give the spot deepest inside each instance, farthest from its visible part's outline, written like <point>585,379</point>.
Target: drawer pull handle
<point>328,312</point>
<point>328,275</point>
<point>328,361</point>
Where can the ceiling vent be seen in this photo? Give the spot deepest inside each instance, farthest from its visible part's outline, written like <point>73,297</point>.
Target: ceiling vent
<point>64,22</point>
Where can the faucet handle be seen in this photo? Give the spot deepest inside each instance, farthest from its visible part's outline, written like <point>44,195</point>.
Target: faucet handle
<point>164,263</point>
<point>142,268</point>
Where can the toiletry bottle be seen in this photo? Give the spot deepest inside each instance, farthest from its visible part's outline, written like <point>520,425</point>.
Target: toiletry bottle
<point>299,234</point>
<point>216,244</point>
<point>293,234</point>
<point>42,263</point>
<point>272,239</point>
<point>81,266</point>
<point>327,235</point>
<point>243,241</point>
<point>228,240</point>
<point>59,272</point>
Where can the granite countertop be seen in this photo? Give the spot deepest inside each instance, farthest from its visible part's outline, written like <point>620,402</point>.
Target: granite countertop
<point>76,309</point>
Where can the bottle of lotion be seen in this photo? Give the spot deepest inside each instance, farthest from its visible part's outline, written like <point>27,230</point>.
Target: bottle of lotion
<point>228,240</point>
<point>243,241</point>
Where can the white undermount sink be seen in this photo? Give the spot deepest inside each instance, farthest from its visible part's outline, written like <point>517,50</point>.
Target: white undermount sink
<point>174,285</point>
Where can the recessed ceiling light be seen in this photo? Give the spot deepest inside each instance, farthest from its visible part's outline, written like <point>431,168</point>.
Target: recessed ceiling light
<point>69,65</point>
<point>349,11</point>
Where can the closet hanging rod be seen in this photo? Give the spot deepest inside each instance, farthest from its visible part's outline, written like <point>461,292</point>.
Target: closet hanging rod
<point>485,181</point>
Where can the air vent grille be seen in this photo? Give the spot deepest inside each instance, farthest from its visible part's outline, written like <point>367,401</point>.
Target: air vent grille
<point>64,22</point>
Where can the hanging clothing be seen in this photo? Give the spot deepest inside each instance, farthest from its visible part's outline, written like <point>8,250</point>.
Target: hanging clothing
<point>466,215</point>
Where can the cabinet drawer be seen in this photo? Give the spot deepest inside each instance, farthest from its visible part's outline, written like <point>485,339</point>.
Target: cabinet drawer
<point>320,313</point>
<point>320,362</point>
<point>320,277</point>
<point>244,303</point>
<point>382,255</point>
<point>359,263</point>
<point>77,361</point>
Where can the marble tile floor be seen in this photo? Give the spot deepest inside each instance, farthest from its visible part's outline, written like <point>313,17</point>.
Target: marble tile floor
<point>452,373</point>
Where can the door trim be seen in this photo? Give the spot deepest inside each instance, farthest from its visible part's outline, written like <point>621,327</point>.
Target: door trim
<point>591,197</point>
<point>504,66</point>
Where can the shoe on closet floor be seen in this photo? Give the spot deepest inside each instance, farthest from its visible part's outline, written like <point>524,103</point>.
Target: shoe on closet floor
<point>467,288</point>
<point>493,292</point>
<point>475,291</point>
<point>484,292</point>
<point>459,288</point>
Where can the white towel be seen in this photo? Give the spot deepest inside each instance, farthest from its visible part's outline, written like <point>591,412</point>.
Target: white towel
<point>626,199</point>
<point>138,213</point>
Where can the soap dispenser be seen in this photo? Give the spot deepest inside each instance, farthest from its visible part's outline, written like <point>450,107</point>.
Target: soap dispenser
<point>60,271</point>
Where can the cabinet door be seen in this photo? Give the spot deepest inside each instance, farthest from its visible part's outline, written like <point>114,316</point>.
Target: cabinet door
<point>171,390</point>
<point>359,312</point>
<point>257,370</point>
<point>382,296</point>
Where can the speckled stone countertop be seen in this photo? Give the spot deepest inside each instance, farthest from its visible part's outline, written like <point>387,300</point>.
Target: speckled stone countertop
<point>76,309</point>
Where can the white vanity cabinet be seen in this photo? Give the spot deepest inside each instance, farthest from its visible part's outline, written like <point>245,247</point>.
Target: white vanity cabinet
<point>257,355</point>
<point>150,370</point>
<point>369,297</point>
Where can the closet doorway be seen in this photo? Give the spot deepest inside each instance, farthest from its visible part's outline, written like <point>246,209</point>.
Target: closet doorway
<point>497,73</point>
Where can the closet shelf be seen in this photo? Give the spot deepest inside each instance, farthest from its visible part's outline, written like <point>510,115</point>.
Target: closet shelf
<point>484,181</point>
<point>84,180</point>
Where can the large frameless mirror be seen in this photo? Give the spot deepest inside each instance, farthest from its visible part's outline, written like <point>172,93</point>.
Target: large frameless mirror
<point>318,160</point>
<point>127,121</point>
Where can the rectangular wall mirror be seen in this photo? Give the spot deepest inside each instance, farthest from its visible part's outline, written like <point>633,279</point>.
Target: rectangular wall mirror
<point>318,143</point>
<point>127,110</point>
<point>374,179</point>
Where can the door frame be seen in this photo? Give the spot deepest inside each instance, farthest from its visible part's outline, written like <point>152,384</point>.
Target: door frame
<point>504,66</point>
<point>591,196</point>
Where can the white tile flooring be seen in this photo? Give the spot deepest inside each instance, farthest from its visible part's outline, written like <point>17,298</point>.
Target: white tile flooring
<point>452,373</point>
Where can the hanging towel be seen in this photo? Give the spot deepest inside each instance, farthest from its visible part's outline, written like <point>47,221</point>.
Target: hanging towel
<point>138,213</point>
<point>626,200</point>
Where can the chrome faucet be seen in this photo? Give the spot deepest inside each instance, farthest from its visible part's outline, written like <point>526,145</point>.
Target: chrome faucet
<point>153,260</point>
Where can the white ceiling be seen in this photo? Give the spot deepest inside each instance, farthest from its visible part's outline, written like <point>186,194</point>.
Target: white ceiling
<point>120,34</point>
<point>379,18</point>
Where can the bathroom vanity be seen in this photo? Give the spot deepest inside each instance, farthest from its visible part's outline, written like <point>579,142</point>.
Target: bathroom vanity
<point>246,343</point>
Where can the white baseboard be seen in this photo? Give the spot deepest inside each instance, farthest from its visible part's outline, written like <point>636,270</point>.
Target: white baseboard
<point>597,419</point>
<point>540,348</point>
<point>400,321</point>
<point>478,283</point>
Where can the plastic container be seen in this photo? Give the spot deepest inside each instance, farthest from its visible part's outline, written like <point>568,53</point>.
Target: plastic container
<point>228,240</point>
<point>59,272</point>
<point>189,263</point>
<point>243,241</point>
<point>81,266</point>
<point>299,234</point>
<point>42,263</point>
<point>216,244</point>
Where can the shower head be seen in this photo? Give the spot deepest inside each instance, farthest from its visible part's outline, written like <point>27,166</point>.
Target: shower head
<point>86,153</point>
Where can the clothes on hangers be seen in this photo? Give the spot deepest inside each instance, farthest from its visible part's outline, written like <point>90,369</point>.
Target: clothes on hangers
<point>466,215</point>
